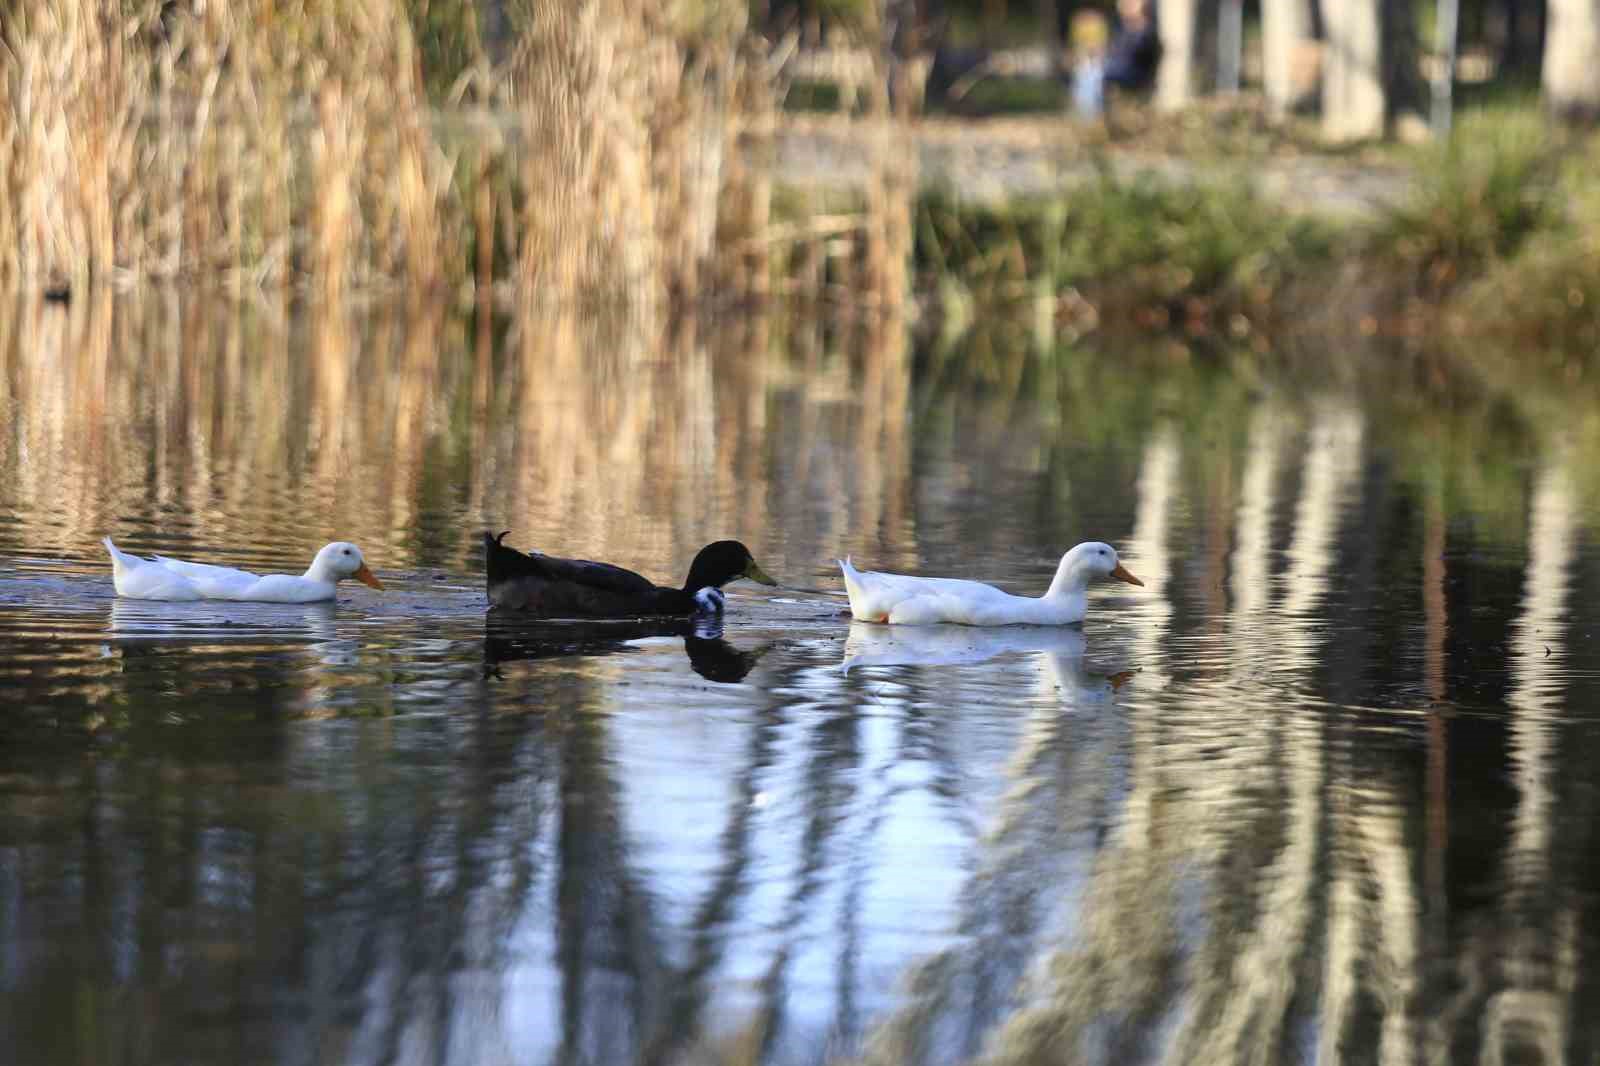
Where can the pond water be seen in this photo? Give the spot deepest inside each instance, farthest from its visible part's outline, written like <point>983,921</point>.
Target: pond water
<point>1324,789</point>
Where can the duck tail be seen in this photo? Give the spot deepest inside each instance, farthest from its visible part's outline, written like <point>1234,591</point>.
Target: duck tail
<point>121,562</point>
<point>852,583</point>
<point>118,556</point>
<point>501,563</point>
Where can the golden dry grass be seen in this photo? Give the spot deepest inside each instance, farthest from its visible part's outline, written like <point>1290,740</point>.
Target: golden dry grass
<point>281,146</point>
<point>256,143</point>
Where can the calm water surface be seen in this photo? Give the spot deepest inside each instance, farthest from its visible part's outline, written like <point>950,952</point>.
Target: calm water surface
<point>1325,789</point>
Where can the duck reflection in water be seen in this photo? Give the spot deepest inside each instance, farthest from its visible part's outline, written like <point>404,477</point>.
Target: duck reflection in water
<point>136,625</point>
<point>509,637</point>
<point>1060,651</point>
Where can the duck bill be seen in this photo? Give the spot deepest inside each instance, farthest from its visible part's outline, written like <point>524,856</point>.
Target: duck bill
<point>756,574</point>
<point>367,577</point>
<point>1121,574</point>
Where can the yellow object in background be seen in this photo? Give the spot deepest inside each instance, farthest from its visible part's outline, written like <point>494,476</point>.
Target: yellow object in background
<point>1089,33</point>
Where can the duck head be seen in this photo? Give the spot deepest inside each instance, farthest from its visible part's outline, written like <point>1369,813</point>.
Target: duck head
<point>340,560</point>
<point>1089,561</point>
<point>1103,562</point>
<point>722,562</point>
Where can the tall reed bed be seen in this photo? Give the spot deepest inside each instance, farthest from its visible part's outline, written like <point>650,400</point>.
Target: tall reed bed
<point>628,113</point>
<point>275,144</point>
<point>254,142</point>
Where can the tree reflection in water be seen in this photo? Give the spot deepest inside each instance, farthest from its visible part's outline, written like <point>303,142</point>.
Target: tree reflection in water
<point>1335,801</point>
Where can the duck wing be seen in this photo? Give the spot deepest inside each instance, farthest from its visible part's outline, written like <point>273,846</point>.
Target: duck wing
<point>874,595</point>
<point>146,579</point>
<point>557,587</point>
<point>602,577</point>
<point>213,582</point>
<point>901,598</point>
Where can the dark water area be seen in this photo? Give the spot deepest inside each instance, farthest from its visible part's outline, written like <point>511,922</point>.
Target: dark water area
<point>1324,789</point>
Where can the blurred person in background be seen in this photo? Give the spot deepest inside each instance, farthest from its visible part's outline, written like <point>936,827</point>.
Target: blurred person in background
<point>1129,61</point>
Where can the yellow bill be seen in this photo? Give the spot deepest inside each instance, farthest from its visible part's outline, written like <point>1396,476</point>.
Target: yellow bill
<point>1121,574</point>
<point>755,573</point>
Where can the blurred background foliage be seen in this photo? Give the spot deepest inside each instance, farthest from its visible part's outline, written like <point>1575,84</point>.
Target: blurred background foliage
<point>670,156</point>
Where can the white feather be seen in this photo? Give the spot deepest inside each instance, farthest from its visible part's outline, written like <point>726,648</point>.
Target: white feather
<point>162,578</point>
<point>900,599</point>
<point>710,600</point>
<point>146,579</point>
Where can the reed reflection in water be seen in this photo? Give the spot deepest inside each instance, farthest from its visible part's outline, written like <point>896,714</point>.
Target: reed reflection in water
<point>261,438</point>
<point>1323,788</point>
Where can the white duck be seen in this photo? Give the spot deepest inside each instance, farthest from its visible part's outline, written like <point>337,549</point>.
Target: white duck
<point>903,600</point>
<point>161,578</point>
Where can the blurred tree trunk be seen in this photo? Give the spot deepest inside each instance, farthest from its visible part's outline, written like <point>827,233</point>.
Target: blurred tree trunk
<point>1285,41</point>
<point>1050,33</point>
<point>1447,39</point>
<point>994,24</point>
<point>900,33</point>
<point>1572,59</point>
<point>912,46</point>
<point>1230,45</point>
<point>1405,90</point>
<point>1353,101</point>
<point>1517,28</point>
<point>1176,22</point>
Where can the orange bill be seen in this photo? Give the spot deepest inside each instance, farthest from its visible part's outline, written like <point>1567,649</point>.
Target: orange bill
<point>367,577</point>
<point>1121,574</point>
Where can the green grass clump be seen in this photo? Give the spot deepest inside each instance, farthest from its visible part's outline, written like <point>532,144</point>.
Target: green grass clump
<point>1546,296</point>
<point>808,95</point>
<point>1012,96</point>
<point>1168,242</point>
<point>1480,197</point>
<point>449,41</point>
<point>1141,243</point>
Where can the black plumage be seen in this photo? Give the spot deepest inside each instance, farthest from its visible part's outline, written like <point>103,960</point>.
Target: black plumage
<point>512,638</point>
<point>551,587</point>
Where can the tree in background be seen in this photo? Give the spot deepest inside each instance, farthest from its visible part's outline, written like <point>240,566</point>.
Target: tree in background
<point>1358,58</point>
<point>1286,45</point>
<point>1571,76</point>
<point>904,38</point>
<point>1370,73</point>
<point>1352,81</point>
<point>1515,28</point>
<point>1176,21</point>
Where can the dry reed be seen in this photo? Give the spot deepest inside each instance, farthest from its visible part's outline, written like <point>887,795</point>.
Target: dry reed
<point>629,112</point>
<point>273,145</point>
<point>182,146</point>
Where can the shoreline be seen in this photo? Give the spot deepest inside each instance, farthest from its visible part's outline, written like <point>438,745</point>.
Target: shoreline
<point>987,161</point>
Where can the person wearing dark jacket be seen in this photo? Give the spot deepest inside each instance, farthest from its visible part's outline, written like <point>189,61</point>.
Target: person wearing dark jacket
<point>1135,50</point>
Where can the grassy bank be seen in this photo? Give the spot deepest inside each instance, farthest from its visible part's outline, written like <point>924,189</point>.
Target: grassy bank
<point>1498,243</point>
<point>1498,237</point>
<point>1145,253</point>
<point>613,152</point>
